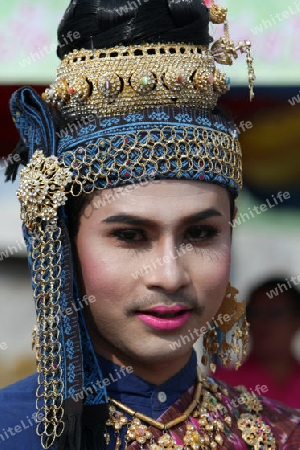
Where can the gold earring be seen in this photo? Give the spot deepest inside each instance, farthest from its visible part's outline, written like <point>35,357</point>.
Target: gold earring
<point>230,313</point>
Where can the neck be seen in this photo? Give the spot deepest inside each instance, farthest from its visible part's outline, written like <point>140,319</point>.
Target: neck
<point>153,372</point>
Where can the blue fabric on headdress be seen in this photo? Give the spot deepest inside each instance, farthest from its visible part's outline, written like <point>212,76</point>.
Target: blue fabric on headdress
<point>98,148</point>
<point>33,120</point>
<point>79,363</point>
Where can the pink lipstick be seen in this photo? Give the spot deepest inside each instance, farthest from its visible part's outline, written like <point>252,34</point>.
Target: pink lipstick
<point>164,318</point>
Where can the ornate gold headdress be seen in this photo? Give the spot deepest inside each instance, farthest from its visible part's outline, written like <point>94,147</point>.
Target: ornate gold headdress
<point>110,81</point>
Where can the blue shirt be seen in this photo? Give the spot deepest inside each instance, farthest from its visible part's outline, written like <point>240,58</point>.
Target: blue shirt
<point>18,411</point>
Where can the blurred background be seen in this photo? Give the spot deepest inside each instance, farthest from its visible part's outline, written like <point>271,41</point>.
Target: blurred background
<point>265,243</point>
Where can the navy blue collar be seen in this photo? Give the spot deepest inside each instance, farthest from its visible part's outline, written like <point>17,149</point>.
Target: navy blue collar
<point>147,398</point>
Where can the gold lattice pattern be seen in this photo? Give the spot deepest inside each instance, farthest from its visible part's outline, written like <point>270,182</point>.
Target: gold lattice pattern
<point>46,248</point>
<point>122,158</point>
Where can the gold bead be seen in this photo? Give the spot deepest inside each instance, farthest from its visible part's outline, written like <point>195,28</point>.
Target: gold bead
<point>219,439</point>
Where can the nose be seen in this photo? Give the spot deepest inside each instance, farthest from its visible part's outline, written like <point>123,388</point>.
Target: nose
<point>166,268</point>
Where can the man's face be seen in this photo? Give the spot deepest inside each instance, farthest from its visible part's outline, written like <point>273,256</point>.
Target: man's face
<point>157,260</point>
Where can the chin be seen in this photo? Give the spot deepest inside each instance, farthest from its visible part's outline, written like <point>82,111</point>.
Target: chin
<point>162,352</point>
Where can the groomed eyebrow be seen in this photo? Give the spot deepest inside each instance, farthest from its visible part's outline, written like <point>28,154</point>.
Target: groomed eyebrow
<point>136,220</point>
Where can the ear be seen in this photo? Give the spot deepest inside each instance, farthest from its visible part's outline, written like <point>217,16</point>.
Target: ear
<point>34,121</point>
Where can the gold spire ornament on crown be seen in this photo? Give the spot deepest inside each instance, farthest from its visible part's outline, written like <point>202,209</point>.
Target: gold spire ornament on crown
<point>107,82</point>
<point>217,13</point>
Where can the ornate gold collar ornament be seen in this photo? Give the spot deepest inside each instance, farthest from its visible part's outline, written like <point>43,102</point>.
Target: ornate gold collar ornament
<point>205,422</point>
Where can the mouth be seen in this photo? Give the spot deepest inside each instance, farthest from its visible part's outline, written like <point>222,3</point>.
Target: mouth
<point>164,318</point>
<point>164,311</point>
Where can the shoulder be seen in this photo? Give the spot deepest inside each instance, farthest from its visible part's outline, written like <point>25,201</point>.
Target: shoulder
<point>282,422</point>
<point>18,416</point>
<point>18,396</point>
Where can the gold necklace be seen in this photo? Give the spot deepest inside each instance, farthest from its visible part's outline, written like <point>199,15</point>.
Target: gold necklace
<point>204,428</point>
<point>138,432</point>
<point>157,424</point>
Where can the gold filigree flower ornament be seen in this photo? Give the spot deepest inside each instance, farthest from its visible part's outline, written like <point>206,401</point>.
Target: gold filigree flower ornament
<point>42,189</point>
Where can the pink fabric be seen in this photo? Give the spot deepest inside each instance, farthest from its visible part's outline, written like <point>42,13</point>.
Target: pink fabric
<point>255,377</point>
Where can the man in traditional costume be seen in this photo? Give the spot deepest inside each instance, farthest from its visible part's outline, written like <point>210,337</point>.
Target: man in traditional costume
<point>127,195</point>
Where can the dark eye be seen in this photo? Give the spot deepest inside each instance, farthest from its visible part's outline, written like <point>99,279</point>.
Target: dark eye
<point>130,235</point>
<point>201,233</point>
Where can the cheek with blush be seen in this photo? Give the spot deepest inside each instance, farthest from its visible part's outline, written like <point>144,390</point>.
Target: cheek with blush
<point>103,270</point>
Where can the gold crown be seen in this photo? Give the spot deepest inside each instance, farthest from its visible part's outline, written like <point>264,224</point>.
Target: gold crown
<point>122,79</point>
<point>115,80</point>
